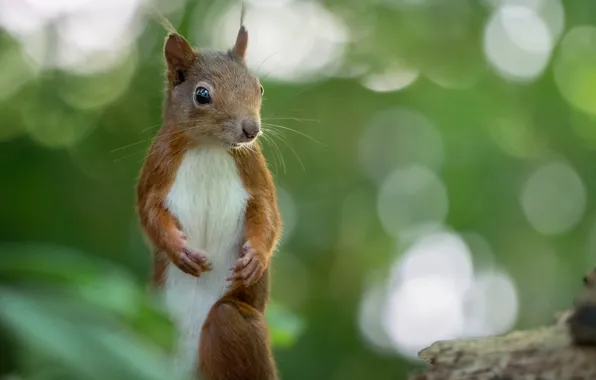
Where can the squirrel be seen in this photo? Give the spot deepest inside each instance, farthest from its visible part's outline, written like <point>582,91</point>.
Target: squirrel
<point>581,320</point>
<point>207,205</point>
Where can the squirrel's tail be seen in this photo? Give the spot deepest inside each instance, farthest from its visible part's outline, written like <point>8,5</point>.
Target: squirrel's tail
<point>234,343</point>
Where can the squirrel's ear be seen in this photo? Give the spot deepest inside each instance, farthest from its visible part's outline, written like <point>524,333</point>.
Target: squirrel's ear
<point>178,53</point>
<point>239,48</point>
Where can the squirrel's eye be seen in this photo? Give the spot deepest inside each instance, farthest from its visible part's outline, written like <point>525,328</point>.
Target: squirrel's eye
<point>262,90</point>
<point>202,96</point>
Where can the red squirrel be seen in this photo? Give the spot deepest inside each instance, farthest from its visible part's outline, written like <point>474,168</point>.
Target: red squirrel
<point>208,207</point>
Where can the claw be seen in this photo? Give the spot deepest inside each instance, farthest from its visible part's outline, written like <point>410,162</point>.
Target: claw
<point>188,260</point>
<point>248,267</point>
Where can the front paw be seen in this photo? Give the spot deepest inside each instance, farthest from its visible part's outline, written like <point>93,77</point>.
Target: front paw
<point>249,267</point>
<point>193,262</point>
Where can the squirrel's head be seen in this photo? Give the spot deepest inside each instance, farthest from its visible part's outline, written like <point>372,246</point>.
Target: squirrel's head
<point>211,95</point>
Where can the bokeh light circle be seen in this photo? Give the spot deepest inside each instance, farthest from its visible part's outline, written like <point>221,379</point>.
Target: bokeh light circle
<point>554,198</point>
<point>421,312</point>
<point>399,137</point>
<point>575,68</point>
<point>412,198</point>
<point>317,36</point>
<point>517,42</point>
<point>438,254</point>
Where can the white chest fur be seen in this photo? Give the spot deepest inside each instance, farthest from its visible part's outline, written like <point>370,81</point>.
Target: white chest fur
<point>209,200</point>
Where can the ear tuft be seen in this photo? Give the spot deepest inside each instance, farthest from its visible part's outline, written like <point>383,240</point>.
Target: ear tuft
<point>178,54</point>
<point>239,48</point>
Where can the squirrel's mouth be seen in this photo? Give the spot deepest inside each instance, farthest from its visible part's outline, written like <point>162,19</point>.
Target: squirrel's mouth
<point>239,145</point>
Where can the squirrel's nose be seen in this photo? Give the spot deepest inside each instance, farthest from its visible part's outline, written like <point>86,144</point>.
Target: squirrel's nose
<point>250,128</point>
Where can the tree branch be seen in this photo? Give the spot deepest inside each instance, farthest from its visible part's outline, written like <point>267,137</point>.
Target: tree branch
<point>565,351</point>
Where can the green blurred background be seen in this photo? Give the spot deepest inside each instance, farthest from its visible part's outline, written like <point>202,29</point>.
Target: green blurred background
<point>434,164</point>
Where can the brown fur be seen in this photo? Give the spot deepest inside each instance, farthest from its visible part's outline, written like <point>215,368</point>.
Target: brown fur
<point>234,342</point>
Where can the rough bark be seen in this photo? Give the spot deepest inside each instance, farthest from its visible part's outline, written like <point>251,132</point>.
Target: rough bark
<point>564,351</point>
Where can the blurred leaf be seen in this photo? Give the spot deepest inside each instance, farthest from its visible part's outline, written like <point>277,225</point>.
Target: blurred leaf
<point>284,327</point>
<point>82,313</point>
<point>61,328</point>
<point>7,355</point>
<point>100,285</point>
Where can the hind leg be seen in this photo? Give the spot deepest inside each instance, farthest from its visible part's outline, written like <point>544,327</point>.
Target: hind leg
<point>234,344</point>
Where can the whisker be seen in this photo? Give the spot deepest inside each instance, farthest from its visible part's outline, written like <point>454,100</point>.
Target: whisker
<point>150,127</point>
<point>265,60</point>
<point>295,131</point>
<point>290,118</point>
<point>270,137</point>
<point>144,141</point>
<point>276,150</point>
<point>267,139</point>
<point>148,139</point>
<point>127,156</point>
<point>175,138</point>
<point>293,151</point>
<point>282,138</point>
<point>130,145</point>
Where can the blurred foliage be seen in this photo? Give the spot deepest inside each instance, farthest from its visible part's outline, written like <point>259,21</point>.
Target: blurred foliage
<point>63,307</point>
<point>73,265</point>
<point>284,327</point>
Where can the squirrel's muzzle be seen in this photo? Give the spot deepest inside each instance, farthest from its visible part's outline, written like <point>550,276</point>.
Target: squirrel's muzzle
<point>250,129</point>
